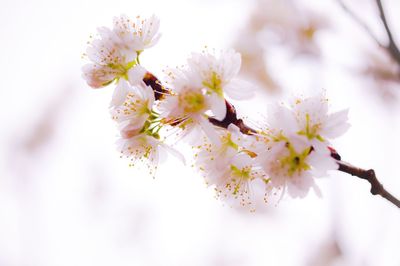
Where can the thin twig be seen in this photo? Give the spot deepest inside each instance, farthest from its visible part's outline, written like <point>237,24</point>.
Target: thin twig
<point>391,47</point>
<point>360,22</point>
<point>231,118</point>
<point>369,175</point>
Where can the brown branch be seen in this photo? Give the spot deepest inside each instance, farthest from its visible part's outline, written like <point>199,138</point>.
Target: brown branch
<point>391,47</point>
<point>369,175</point>
<point>159,90</point>
<point>231,118</point>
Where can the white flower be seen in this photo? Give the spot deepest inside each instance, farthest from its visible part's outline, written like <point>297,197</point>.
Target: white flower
<point>108,63</point>
<point>228,167</point>
<point>315,123</point>
<point>309,118</point>
<point>117,50</point>
<point>143,144</point>
<point>198,90</point>
<point>291,163</point>
<point>236,180</point>
<point>138,34</point>
<point>139,146</point>
<point>186,107</point>
<point>132,104</point>
<point>231,142</point>
<point>217,72</point>
<point>294,149</point>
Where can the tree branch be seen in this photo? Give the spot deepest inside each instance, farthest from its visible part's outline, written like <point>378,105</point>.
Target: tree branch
<point>391,47</point>
<point>369,175</point>
<point>231,118</point>
<point>361,23</point>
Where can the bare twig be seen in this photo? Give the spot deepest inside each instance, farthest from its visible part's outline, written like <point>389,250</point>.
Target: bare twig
<point>231,118</point>
<point>369,175</point>
<point>360,22</point>
<point>391,47</point>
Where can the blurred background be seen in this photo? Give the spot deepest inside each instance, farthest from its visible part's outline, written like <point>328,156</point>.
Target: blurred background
<point>66,198</point>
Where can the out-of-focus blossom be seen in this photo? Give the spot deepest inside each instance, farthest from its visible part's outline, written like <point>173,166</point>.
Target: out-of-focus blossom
<point>282,25</point>
<point>382,74</point>
<point>289,24</point>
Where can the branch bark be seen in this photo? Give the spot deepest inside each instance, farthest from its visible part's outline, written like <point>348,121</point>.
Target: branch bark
<point>231,118</point>
<point>369,175</point>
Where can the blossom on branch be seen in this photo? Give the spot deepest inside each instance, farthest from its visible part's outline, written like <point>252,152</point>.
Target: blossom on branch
<point>117,50</point>
<point>132,104</point>
<point>133,108</point>
<point>236,160</point>
<point>294,148</point>
<point>109,63</point>
<point>198,90</point>
<point>217,73</point>
<point>134,36</point>
<point>230,168</point>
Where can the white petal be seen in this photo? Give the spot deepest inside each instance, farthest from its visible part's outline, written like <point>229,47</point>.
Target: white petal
<point>337,124</point>
<point>217,106</point>
<point>239,89</point>
<point>136,75</point>
<point>120,93</point>
<point>209,130</point>
<point>174,152</point>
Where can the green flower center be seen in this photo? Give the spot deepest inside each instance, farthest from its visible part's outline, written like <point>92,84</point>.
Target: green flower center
<point>192,101</point>
<point>228,142</point>
<point>214,84</point>
<point>295,162</point>
<point>311,131</point>
<point>153,125</point>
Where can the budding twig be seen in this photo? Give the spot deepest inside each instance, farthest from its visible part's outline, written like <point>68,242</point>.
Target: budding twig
<point>231,118</point>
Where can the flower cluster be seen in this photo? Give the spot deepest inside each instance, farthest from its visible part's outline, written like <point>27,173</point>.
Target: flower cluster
<point>294,148</point>
<point>118,50</point>
<point>198,91</point>
<point>284,155</point>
